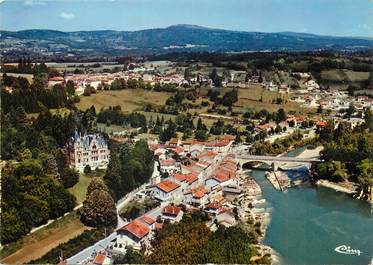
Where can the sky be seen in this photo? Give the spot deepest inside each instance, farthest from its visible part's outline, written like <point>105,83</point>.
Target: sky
<point>326,17</point>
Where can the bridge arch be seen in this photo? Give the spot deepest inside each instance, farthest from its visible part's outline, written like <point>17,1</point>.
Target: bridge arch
<point>249,164</point>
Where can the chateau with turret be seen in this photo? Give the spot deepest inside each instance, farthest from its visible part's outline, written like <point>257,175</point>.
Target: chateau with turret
<point>88,149</point>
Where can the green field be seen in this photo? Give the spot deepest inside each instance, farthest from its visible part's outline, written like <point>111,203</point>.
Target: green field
<point>129,99</point>
<point>257,98</point>
<point>340,75</point>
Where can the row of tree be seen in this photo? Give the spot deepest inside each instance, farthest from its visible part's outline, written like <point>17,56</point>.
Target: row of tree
<point>115,115</point>
<point>34,100</point>
<point>121,83</point>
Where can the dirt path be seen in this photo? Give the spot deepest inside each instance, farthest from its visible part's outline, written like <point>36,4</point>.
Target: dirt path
<point>39,247</point>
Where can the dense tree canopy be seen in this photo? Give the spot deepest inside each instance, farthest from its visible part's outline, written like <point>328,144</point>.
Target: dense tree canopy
<point>99,208</point>
<point>191,242</point>
<point>348,155</point>
<point>129,167</point>
<point>115,116</point>
<point>30,197</point>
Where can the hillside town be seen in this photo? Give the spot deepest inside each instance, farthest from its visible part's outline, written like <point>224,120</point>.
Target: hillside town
<point>309,94</point>
<point>192,175</point>
<point>179,145</point>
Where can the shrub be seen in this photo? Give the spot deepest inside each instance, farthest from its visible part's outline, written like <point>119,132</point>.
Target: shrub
<point>87,169</point>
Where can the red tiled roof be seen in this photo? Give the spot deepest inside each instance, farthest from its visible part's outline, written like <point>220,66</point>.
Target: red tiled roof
<point>199,192</point>
<point>265,126</point>
<point>178,149</point>
<point>180,177</point>
<point>190,178</point>
<point>99,259</point>
<point>167,185</point>
<point>221,177</point>
<point>56,78</point>
<point>136,228</point>
<point>171,210</point>
<point>207,154</point>
<point>148,220</point>
<point>158,226</point>
<point>173,141</point>
<point>321,123</point>
<point>213,205</point>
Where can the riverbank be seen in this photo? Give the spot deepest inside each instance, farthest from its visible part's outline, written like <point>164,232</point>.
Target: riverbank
<point>321,210</point>
<point>347,188</point>
<point>278,179</point>
<point>252,213</point>
<point>311,153</point>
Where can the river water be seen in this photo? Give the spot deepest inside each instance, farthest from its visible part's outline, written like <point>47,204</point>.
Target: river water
<point>307,224</point>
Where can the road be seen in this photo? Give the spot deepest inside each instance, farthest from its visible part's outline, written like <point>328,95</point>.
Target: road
<point>85,254</point>
<point>276,158</point>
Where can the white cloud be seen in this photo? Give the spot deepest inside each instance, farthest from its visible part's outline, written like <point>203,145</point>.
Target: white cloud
<point>34,3</point>
<point>66,15</point>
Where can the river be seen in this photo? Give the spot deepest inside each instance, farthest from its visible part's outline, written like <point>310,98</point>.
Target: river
<point>308,223</point>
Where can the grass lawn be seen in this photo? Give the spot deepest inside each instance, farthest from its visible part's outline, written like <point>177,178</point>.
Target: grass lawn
<point>128,99</point>
<point>249,98</point>
<point>109,129</point>
<point>80,188</point>
<point>35,245</point>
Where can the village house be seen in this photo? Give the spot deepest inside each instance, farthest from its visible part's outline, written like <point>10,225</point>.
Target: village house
<point>101,258</point>
<point>220,146</point>
<point>213,208</point>
<point>178,150</point>
<point>132,234</point>
<point>169,166</point>
<point>197,196</point>
<point>88,150</point>
<point>55,80</point>
<point>224,174</point>
<point>174,142</point>
<point>172,213</point>
<point>189,180</point>
<point>167,190</point>
<point>226,218</point>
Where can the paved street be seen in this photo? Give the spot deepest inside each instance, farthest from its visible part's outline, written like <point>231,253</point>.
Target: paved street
<point>82,256</point>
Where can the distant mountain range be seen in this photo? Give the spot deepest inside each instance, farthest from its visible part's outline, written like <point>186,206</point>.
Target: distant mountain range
<point>173,38</point>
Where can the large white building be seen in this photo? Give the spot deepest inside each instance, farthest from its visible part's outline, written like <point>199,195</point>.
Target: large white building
<point>89,149</point>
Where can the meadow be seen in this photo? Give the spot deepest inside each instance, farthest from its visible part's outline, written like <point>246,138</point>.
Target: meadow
<point>129,99</point>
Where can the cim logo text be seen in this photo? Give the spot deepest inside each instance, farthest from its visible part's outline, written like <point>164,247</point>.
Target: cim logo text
<point>347,250</point>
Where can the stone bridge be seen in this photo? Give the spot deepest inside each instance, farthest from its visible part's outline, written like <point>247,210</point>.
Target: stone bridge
<point>274,161</point>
